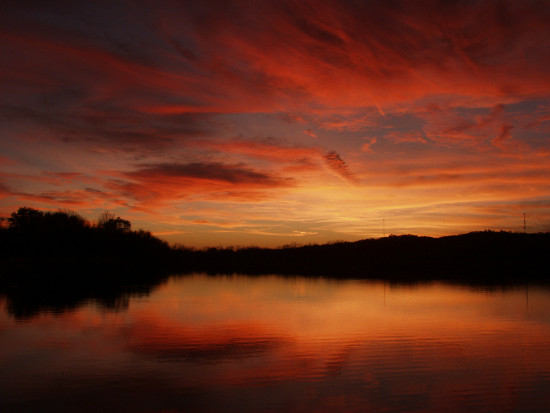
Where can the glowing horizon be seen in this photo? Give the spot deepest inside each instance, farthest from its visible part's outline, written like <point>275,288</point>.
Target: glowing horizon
<point>229,123</point>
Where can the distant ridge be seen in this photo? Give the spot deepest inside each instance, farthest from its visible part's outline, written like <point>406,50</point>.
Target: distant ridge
<point>475,256</point>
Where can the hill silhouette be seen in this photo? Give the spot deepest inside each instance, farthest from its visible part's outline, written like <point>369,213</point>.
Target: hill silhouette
<point>482,257</point>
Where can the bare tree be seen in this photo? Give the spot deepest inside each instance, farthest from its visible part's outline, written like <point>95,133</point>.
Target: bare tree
<point>108,222</point>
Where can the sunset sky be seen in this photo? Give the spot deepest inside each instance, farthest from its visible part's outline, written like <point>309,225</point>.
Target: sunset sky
<point>275,122</point>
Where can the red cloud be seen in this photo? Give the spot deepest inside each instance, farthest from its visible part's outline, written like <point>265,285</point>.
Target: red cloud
<point>475,131</point>
<point>354,54</point>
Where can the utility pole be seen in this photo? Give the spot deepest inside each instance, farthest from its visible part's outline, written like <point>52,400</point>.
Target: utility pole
<point>384,227</point>
<point>524,224</point>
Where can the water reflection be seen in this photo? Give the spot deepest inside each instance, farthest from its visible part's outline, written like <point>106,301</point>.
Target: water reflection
<point>27,302</point>
<point>237,343</point>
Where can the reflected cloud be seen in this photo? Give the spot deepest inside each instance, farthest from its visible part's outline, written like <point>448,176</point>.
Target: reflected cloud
<point>212,346</point>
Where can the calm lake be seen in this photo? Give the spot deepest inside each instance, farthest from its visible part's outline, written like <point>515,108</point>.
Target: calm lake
<point>200,343</point>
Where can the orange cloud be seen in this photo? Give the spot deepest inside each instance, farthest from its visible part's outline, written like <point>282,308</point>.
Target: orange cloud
<point>407,137</point>
<point>366,147</point>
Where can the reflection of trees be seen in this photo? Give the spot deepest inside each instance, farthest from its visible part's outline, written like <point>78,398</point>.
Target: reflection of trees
<point>54,261</point>
<point>23,303</point>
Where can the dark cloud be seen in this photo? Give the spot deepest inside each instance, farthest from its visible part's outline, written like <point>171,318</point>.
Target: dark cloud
<point>156,184</point>
<point>94,191</point>
<point>270,149</point>
<point>70,198</point>
<point>4,190</point>
<point>232,174</point>
<point>337,164</point>
<point>107,126</point>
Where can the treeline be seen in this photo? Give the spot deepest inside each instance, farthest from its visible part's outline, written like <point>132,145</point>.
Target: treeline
<point>45,247</point>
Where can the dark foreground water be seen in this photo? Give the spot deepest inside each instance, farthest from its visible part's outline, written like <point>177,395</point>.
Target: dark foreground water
<point>275,344</point>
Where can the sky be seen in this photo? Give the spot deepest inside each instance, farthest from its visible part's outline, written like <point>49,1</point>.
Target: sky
<point>213,123</point>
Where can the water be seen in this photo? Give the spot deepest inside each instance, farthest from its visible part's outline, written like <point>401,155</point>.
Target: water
<point>270,344</point>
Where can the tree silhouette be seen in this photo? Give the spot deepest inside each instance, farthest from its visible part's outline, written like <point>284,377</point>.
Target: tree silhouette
<point>25,218</point>
<point>31,219</point>
<point>108,222</point>
<point>42,248</point>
